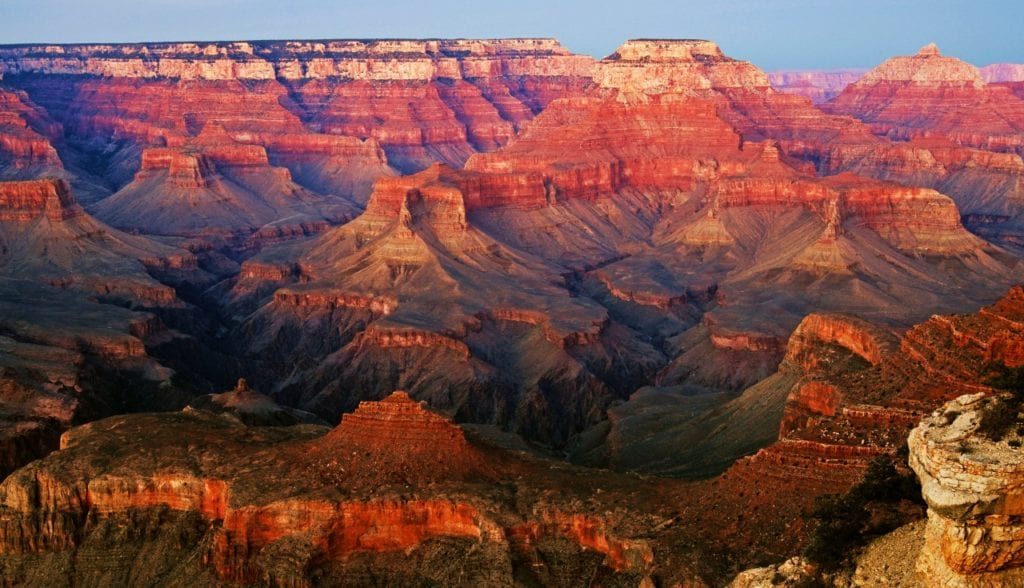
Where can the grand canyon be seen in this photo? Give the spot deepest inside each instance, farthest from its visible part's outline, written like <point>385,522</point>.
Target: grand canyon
<point>493,313</point>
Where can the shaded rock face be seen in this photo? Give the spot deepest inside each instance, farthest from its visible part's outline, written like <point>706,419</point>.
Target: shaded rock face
<point>974,487</point>
<point>854,392</point>
<point>251,408</point>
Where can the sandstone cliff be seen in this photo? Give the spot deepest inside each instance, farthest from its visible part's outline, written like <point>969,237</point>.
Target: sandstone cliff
<point>284,501</point>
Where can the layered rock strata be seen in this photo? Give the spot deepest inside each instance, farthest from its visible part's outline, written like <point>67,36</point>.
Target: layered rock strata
<point>974,487</point>
<point>321,517</point>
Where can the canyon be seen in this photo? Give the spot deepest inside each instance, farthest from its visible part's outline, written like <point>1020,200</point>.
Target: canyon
<point>622,318</point>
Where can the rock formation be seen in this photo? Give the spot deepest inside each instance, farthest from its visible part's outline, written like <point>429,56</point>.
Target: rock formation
<point>653,262</point>
<point>818,85</point>
<point>283,502</point>
<point>911,96</point>
<point>973,486</point>
<point>251,408</point>
<point>652,222</point>
<point>398,438</point>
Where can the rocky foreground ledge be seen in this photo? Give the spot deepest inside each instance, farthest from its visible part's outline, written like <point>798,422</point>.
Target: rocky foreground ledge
<point>969,459</point>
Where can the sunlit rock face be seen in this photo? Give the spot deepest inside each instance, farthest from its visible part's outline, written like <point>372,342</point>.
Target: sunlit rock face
<point>656,185</point>
<point>973,484</point>
<point>656,261</point>
<point>389,492</point>
<point>421,101</point>
<point>931,95</point>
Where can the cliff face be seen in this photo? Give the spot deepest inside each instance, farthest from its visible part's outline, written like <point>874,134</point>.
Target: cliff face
<point>422,101</point>
<point>892,97</point>
<point>29,200</point>
<point>399,59</point>
<point>314,507</point>
<point>973,486</point>
<point>653,187</point>
<point>1002,72</point>
<point>25,133</point>
<point>857,392</point>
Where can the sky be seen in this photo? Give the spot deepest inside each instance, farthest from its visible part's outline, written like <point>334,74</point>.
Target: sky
<point>774,34</point>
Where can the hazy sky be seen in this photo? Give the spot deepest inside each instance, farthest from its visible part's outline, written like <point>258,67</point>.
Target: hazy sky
<point>774,34</point>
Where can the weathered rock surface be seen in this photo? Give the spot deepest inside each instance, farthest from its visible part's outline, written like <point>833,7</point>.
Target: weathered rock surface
<point>292,515</point>
<point>668,231</point>
<point>974,487</point>
<point>654,261</point>
<point>914,96</point>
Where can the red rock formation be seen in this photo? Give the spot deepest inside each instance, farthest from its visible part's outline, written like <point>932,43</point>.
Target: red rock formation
<point>587,532</point>
<point>859,394</point>
<point>25,135</point>
<point>314,498</point>
<point>28,200</point>
<point>860,337</point>
<point>918,96</point>
<point>397,436</point>
<point>423,101</point>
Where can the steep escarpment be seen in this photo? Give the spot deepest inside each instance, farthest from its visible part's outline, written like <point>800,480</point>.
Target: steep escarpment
<point>26,150</point>
<point>857,393</point>
<point>284,503</point>
<point>418,101</point>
